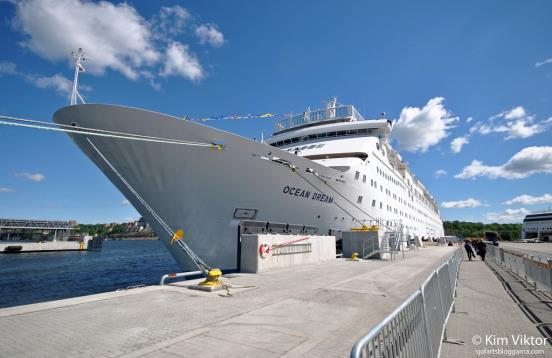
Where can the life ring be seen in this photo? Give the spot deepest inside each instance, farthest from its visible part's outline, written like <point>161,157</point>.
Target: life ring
<point>264,250</point>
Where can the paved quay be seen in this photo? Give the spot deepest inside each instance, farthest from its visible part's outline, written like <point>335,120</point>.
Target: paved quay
<point>485,313</point>
<point>541,248</point>
<point>317,310</point>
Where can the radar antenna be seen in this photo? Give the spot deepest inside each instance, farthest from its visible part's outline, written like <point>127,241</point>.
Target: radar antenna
<point>79,59</point>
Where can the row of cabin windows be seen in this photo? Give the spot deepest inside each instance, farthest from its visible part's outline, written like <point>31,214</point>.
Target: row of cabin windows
<point>305,147</point>
<point>389,193</point>
<point>390,178</point>
<point>347,133</point>
<point>390,208</point>
<point>397,182</point>
<point>373,183</point>
<point>357,176</point>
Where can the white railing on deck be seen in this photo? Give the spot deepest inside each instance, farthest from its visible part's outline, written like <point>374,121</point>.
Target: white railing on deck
<point>319,116</point>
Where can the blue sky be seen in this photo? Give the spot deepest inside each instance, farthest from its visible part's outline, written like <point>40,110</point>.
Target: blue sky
<point>476,70</point>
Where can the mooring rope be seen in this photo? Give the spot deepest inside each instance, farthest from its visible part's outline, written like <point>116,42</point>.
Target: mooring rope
<point>48,126</point>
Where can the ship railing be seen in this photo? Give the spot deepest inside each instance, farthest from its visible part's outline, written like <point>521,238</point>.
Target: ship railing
<point>178,275</point>
<point>418,326</point>
<point>308,117</point>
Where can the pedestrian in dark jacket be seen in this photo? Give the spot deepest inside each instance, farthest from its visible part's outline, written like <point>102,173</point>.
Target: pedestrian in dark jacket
<point>469,249</point>
<point>481,249</point>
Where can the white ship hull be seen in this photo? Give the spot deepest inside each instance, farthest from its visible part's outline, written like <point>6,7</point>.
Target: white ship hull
<point>199,189</point>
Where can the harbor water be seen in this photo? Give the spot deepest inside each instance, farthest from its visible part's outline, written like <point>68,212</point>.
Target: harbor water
<point>37,277</point>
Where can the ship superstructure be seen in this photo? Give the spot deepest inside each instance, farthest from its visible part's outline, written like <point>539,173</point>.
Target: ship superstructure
<point>340,138</point>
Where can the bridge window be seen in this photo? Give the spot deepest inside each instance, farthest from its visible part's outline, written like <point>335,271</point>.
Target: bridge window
<point>364,178</point>
<point>359,200</point>
<point>357,174</point>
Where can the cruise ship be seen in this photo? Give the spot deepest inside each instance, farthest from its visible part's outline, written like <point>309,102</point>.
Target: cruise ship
<point>330,169</point>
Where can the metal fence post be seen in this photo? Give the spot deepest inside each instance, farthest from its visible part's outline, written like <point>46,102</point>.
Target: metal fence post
<point>426,325</point>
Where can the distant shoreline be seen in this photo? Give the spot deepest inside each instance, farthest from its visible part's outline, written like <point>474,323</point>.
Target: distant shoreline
<point>142,238</point>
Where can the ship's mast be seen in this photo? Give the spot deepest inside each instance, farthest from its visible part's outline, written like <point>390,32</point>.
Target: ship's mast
<point>331,105</point>
<point>79,59</point>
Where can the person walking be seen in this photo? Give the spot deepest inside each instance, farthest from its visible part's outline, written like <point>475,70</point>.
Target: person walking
<point>481,249</point>
<point>469,249</point>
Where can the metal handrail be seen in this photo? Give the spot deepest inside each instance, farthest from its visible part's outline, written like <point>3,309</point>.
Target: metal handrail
<point>178,274</point>
<point>357,348</point>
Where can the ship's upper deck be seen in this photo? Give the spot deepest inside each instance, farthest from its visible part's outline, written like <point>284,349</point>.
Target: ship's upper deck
<point>342,113</point>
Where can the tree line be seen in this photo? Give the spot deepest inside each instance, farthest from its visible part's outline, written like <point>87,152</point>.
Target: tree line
<point>102,229</point>
<point>465,229</point>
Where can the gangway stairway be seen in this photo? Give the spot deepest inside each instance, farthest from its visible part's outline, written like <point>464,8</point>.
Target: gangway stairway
<point>389,244</point>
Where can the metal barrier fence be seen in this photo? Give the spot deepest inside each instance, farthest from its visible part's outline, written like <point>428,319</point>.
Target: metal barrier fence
<point>531,267</point>
<point>417,327</point>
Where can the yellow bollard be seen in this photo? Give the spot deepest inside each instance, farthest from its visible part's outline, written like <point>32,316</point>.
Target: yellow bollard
<point>213,278</point>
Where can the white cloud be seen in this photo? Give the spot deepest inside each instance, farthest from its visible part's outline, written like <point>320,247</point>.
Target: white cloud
<point>528,161</point>
<point>439,173</point>
<point>417,129</point>
<point>6,190</point>
<point>114,37</point>
<point>208,33</point>
<point>179,61</point>
<point>125,202</point>
<point>515,113</point>
<point>468,203</point>
<point>515,123</point>
<point>37,177</point>
<point>8,68</point>
<point>469,119</point>
<point>530,200</point>
<point>58,82</point>
<point>170,22</point>
<point>547,61</point>
<point>457,143</point>
<point>508,216</point>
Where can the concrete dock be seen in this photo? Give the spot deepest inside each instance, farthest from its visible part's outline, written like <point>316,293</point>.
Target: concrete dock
<point>486,314</point>
<point>317,310</point>
<point>15,247</point>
